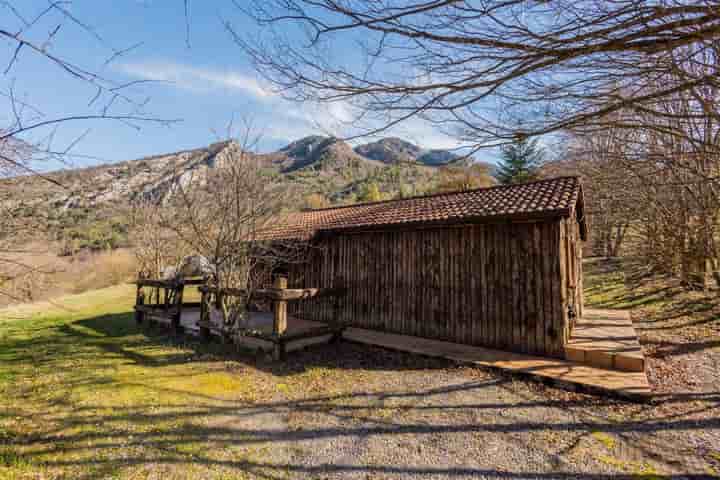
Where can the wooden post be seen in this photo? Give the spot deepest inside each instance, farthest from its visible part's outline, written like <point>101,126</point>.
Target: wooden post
<point>279,319</point>
<point>205,315</point>
<point>334,323</point>
<point>177,314</point>
<point>279,352</point>
<point>280,309</point>
<point>139,301</point>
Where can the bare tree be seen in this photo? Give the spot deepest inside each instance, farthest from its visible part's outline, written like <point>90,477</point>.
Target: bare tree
<point>462,178</point>
<point>478,69</point>
<point>32,31</point>
<point>156,245</point>
<point>655,176</point>
<point>28,136</point>
<point>225,214</point>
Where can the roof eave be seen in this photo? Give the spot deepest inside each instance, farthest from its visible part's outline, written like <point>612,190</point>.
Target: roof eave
<point>470,220</point>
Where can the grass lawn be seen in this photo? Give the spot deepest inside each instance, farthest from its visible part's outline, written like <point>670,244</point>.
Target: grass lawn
<point>87,394</point>
<point>80,382</point>
<point>679,330</point>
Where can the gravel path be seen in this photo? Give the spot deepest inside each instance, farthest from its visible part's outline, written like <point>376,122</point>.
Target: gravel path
<point>354,411</point>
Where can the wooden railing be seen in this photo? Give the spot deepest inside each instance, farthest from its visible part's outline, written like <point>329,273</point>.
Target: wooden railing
<point>279,295</point>
<point>164,299</point>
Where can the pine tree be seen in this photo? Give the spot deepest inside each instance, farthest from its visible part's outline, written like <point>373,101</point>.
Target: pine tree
<point>520,161</point>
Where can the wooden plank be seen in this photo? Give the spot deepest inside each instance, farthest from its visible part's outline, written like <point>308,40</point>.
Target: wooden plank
<point>482,287</point>
<point>397,293</point>
<point>552,254</point>
<point>439,323</point>
<point>562,318</point>
<point>492,263</point>
<point>446,292</point>
<point>516,341</point>
<point>412,252</point>
<point>503,301</point>
<point>530,304</point>
<point>423,300</point>
<point>157,310</point>
<point>547,287</point>
<point>539,292</point>
<point>522,286</point>
<point>562,372</point>
<point>466,293</point>
<point>461,285</point>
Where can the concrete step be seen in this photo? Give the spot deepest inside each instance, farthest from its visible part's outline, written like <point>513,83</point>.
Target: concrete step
<point>606,339</point>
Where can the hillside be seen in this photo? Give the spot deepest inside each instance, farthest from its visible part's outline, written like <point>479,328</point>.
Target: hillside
<point>90,210</point>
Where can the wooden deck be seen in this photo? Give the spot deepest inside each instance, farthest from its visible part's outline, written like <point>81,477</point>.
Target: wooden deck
<point>261,323</point>
<point>602,332</point>
<point>631,385</point>
<point>606,339</point>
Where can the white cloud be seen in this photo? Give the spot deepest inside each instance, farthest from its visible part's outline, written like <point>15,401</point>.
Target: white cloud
<point>283,120</point>
<point>197,79</point>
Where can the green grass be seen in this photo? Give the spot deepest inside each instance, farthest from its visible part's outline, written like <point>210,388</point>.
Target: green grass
<point>614,283</point>
<point>87,394</point>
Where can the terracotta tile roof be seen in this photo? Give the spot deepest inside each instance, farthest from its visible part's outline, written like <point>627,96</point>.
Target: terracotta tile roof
<point>553,197</point>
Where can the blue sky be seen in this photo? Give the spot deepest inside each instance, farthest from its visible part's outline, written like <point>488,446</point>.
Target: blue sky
<point>206,84</point>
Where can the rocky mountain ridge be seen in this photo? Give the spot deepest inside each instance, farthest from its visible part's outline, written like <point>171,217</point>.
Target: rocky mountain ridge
<point>393,150</point>
<point>90,210</point>
<point>322,164</point>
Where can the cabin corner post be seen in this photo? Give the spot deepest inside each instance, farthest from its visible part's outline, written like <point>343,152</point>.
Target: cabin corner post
<point>139,302</point>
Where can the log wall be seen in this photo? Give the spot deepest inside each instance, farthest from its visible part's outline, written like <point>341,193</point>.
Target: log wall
<point>504,285</point>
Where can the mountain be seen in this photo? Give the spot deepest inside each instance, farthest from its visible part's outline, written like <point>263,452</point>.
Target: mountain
<point>91,206</point>
<point>394,150</point>
<point>390,150</point>
<point>320,153</point>
<point>148,177</point>
<point>438,157</point>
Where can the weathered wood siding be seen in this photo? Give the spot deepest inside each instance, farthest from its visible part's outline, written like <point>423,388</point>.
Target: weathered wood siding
<point>502,285</point>
<point>571,259</point>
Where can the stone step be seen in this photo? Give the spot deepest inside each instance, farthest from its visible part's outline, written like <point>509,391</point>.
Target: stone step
<point>606,339</point>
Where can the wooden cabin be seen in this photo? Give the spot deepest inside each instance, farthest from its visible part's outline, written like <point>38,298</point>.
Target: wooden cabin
<point>497,267</point>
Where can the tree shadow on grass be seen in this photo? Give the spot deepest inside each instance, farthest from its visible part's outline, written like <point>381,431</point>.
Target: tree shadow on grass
<point>177,432</point>
<point>102,441</point>
<point>342,355</point>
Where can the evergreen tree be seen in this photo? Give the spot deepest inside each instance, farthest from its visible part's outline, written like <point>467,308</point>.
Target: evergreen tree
<point>520,161</point>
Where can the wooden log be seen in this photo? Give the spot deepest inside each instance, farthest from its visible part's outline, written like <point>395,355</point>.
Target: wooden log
<point>280,309</point>
<point>281,294</point>
<point>562,317</point>
<point>279,351</point>
<point>480,287</point>
<point>539,292</point>
<point>158,310</point>
<point>177,327</point>
<point>530,308</point>
<point>139,301</point>
<point>204,322</point>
